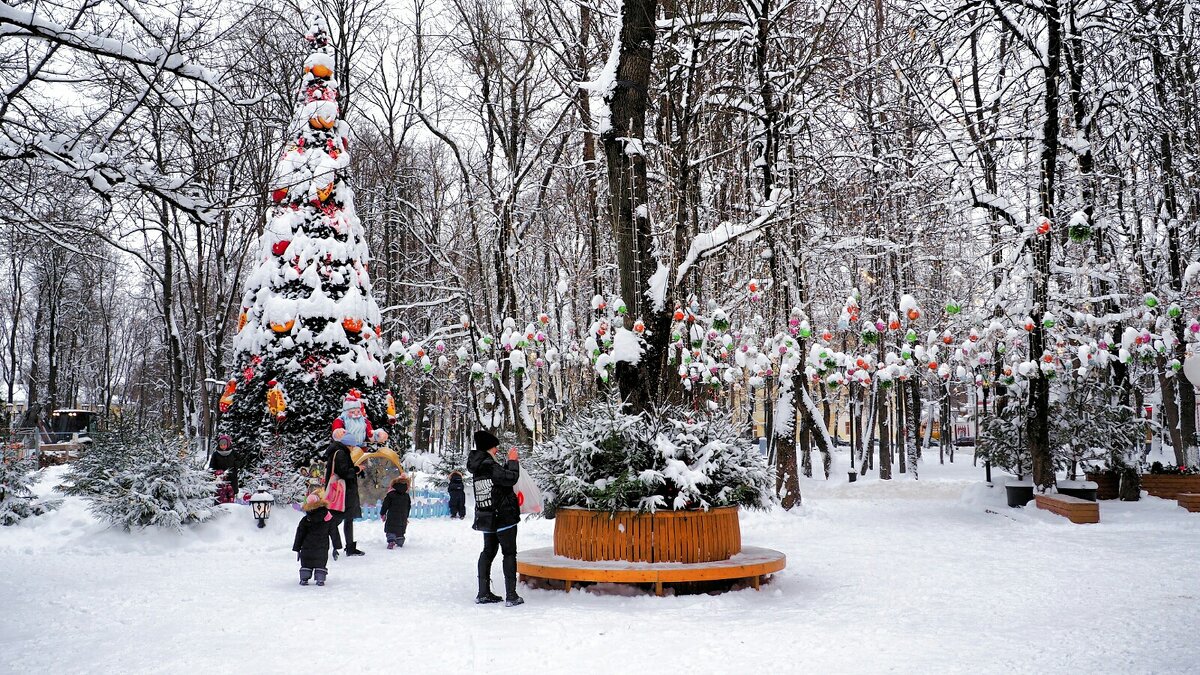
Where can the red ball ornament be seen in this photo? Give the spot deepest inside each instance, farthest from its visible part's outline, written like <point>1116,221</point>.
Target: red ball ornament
<point>280,247</point>
<point>279,195</point>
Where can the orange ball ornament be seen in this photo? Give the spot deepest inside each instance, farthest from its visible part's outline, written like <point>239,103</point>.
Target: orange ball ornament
<point>284,327</point>
<point>352,325</point>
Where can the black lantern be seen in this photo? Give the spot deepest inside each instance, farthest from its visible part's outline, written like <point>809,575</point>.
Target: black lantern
<point>261,503</point>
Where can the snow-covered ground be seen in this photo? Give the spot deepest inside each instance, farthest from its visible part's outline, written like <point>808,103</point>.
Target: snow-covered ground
<point>882,577</point>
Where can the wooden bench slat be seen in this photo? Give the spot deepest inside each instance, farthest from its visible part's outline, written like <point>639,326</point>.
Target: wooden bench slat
<point>1077,510</point>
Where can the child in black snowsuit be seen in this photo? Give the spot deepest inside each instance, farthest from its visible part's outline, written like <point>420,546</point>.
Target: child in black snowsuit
<point>458,496</point>
<point>394,512</point>
<point>313,535</point>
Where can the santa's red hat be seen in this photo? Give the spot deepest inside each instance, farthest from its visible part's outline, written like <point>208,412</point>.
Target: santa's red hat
<point>353,401</point>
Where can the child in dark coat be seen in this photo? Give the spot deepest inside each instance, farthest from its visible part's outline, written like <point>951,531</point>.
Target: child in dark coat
<point>394,512</point>
<point>458,496</point>
<point>313,535</point>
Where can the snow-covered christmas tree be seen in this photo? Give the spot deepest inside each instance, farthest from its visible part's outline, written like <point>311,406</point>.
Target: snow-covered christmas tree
<point>17,501</point>
<point>309,328</point>
<point>143,479</point>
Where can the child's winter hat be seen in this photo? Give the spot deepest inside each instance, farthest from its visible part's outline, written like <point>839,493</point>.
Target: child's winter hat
<point>484,441</point>
<point>353,400</point>
<point>313,502</point>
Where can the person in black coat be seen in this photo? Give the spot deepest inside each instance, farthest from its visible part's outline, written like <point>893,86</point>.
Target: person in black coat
<point>458,496</point>
<point>497,513</point>
<point>337,460</point>
<point>316,530</point>
<point>394,512</point>
<point>224,464</point>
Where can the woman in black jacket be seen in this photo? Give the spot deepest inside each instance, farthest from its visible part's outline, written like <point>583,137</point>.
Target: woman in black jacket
<point>316,530</point>
<point>337,460</point>
<point>496,515</point>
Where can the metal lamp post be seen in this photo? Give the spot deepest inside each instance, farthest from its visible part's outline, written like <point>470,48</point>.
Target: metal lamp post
<point>261,503</point>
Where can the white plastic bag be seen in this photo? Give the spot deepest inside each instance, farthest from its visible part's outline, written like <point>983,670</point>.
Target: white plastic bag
<point>529,497</point>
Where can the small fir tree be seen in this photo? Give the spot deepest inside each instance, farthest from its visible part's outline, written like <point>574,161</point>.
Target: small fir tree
<point>17,501</point>
<point>604,458</point>
<point>143,481</point>
<point>309,329</point>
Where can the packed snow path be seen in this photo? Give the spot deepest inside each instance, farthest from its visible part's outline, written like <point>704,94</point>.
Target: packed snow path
<point>905,577</point>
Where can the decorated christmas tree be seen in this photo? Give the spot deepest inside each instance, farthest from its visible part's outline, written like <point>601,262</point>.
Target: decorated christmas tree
<point>309,329</point>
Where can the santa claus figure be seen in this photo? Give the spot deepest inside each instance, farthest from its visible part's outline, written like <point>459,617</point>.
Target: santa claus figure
<point>352,428</point>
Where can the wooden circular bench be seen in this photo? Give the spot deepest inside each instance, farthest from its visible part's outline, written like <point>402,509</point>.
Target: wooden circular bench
<point>662,547</point>
<point>753,564</point>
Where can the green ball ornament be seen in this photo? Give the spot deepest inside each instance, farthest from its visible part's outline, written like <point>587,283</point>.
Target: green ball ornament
<point>1150,301</point>
<point>911,336</point>
<point>953,308</point>
<point>1174,311</point>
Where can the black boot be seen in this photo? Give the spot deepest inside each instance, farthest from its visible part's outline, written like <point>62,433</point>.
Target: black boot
<point>485,595</point>
<point>511,599</point>
<point>352,549</point>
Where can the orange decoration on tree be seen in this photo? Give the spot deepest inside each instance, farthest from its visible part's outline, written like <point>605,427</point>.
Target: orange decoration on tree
<point>933,365</point>
<point>227,396</point>
<point>276,402</point>
<point>391,409</point>
<point>241,320</point>
<point>325,192</point>
<point>283,327</point>
<point>320,70</point>
<point>352,325</point>
<point>914,314</point>
<point>318,122</point>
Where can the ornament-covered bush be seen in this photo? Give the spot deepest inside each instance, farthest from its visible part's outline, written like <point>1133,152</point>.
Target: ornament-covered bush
<point>17,501</point>
<point>143,480</point>
<point>606,459</point>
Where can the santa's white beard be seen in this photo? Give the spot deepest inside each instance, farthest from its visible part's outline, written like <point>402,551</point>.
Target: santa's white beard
<point>356,430</point>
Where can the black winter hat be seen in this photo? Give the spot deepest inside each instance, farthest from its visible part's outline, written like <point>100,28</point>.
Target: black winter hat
<point>484,441</point>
